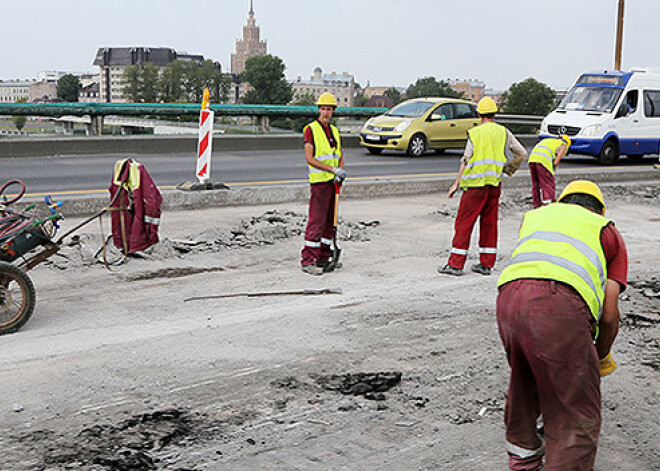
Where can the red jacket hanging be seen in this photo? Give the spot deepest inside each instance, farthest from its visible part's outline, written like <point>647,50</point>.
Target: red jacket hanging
<point>141,200</point>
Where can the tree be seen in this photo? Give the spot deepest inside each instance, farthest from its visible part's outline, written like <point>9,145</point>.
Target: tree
<point>297,124</point>
<point>528,97</point>
<point>19,119</point>
<point>429,86</point>
<point>170,86</point>
<point>266,77</point>
<point>68,87</point>
<point>141,84</point>
<point>132,87</point>
<point>394,95</point>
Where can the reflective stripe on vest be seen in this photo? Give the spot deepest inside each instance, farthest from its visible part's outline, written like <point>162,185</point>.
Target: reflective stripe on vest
<point>323,152</point>
<point>562,242</point>
<point>488,156</point>
<point>545,152</point>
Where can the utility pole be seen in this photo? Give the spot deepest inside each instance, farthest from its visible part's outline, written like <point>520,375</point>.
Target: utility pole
<point>619,36</point>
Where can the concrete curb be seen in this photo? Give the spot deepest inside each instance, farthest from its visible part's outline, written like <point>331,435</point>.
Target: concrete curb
<point>377,188</point>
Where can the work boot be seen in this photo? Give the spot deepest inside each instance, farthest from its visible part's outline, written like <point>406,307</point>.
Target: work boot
<point>479,268</point>
<point>312,270</point>
<point>329,267</point>
<point>449,270</point>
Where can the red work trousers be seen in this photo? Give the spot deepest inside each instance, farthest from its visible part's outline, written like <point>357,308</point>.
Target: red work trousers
<point>319,231</point>
<point>545,327</point>
<point>483,203</point>
<point>543,185</point>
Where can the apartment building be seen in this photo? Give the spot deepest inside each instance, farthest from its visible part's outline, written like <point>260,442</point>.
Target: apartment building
<point>342,86</point>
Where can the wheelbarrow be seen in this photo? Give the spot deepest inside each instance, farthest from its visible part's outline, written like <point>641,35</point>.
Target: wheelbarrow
<point>22,233</point>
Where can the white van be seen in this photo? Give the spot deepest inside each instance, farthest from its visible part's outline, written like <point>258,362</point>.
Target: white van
<point>609,114</point>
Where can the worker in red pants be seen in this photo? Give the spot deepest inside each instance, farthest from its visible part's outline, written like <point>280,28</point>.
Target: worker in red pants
<point>325,160</point>
<point>543,160</point>
<point>491,150</point>
<point>560,290</point>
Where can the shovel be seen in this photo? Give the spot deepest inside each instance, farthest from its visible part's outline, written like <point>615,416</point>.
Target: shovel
<point>336,251</point>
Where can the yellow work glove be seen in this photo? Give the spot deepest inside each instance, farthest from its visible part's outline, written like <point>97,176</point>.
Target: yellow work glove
<point>606,365</point>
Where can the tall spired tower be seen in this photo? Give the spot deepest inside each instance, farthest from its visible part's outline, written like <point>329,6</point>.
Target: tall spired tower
<point>249,46</point>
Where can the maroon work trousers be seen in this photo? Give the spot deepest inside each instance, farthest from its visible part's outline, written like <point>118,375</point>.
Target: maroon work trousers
<point>545,327</point>
<point>483,203</point>
<point>319,231</point>
<point>543,185</point>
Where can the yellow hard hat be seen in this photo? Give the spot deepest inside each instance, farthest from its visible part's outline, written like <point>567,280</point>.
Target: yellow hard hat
<point>566,139</point>
<point>327,99</point>
<point>486,106</point>
<point>584,187</point>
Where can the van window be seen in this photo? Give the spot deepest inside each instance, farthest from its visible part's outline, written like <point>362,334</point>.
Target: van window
<point>652,104</point>
<point>629,104</point>
<point>600,99</point>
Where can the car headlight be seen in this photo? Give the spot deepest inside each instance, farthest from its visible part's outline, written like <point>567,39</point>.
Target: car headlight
<point>591,130</point>
<point>403,125</point>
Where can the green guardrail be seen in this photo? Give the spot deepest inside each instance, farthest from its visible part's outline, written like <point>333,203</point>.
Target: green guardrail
<point>172,109</point>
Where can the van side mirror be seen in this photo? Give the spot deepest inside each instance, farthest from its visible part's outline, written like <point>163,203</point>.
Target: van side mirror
<point>622,111</point>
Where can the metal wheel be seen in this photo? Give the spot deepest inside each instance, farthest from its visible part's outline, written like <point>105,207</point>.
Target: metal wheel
<point>609,154</point>
<point>17,298</point>
<point>374,150</point>
<point>417,145</point>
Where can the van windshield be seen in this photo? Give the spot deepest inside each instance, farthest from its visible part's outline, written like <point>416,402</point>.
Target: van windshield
<point>413,109</point>
<point>601,99</point>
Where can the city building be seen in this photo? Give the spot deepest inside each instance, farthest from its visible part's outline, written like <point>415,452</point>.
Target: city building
<point>249,46</point>
<point>379,101</point>
<point>112,61</point>
<point>473,90</point>
<point>14,91</point>
<point>341,86</point>
<point>43,91</point>
<point>90,93</point>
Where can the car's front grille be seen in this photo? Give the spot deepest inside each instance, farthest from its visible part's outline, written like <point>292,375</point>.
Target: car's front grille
<point>557,129</point>
<point>379,128</point>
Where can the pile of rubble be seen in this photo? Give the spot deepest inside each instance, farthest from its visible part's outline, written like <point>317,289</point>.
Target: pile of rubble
<point>267,229</point>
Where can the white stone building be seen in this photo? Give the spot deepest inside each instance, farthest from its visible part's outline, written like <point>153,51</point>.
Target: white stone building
<point>341,86</point>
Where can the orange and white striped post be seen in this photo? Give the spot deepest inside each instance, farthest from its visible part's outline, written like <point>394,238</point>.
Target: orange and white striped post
<point>205,143</point>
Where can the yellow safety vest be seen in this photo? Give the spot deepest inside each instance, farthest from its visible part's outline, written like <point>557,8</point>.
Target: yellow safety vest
<point>562,242</point>
<point>545,152</point>
<point>488,156</point>
<point>133,182</point>
<point>323,152</point>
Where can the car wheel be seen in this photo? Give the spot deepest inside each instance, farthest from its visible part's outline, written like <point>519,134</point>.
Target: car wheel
<point>440,151</point>
<point>609,154</point>
<point>374,150</point>
<point>417,145</point>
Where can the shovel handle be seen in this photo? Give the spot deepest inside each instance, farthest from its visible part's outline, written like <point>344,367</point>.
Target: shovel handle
<point>337,191</point>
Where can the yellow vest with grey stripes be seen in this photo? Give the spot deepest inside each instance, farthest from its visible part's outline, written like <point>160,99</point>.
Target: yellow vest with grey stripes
<point>545,152</point>
<point>562,242</point>
<point>323,152</point>
<point>488,156</point>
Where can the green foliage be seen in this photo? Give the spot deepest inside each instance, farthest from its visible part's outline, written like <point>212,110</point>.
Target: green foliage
<point>394,95</point>
<point>68,87</point>
<point>297,124</point>
<point>132,83</point>
<point>529,97</point>
<point>19,120</point>
<point>266,77</point>
<point>429,86</point>
<point>360,100</point>
<point>141,84</point>
<point>171,82</point>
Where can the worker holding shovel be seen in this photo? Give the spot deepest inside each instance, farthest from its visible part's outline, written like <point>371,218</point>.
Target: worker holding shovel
<point>325,159</point>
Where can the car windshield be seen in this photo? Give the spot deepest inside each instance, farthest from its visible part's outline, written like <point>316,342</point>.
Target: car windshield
<point>413,109</point>
<point>601,99</point>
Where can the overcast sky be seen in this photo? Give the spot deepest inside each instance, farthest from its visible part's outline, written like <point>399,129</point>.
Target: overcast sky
<point>384,42</point>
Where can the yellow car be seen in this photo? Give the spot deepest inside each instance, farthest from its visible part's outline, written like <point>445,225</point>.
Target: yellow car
<point>420,124</point>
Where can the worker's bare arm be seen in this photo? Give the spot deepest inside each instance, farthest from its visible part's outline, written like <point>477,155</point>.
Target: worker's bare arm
<point>609,321</point>
<point>454,188</point>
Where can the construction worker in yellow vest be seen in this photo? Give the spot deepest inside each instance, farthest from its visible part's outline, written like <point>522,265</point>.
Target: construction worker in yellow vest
<point>325,161</point>
<point>543,160</point>
<point>491,150</point>
<point>559,293</point>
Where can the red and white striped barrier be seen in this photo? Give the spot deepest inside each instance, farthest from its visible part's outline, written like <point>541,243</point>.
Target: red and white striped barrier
<point>204,145</point>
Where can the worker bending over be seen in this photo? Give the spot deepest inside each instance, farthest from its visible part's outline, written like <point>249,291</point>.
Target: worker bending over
<point>325,159</point>
<point>490,151</point>
<point>543,160</point>
<point>559,292</point>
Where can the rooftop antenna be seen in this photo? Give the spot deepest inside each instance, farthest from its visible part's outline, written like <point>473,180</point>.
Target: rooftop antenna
<point>251,8</point>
